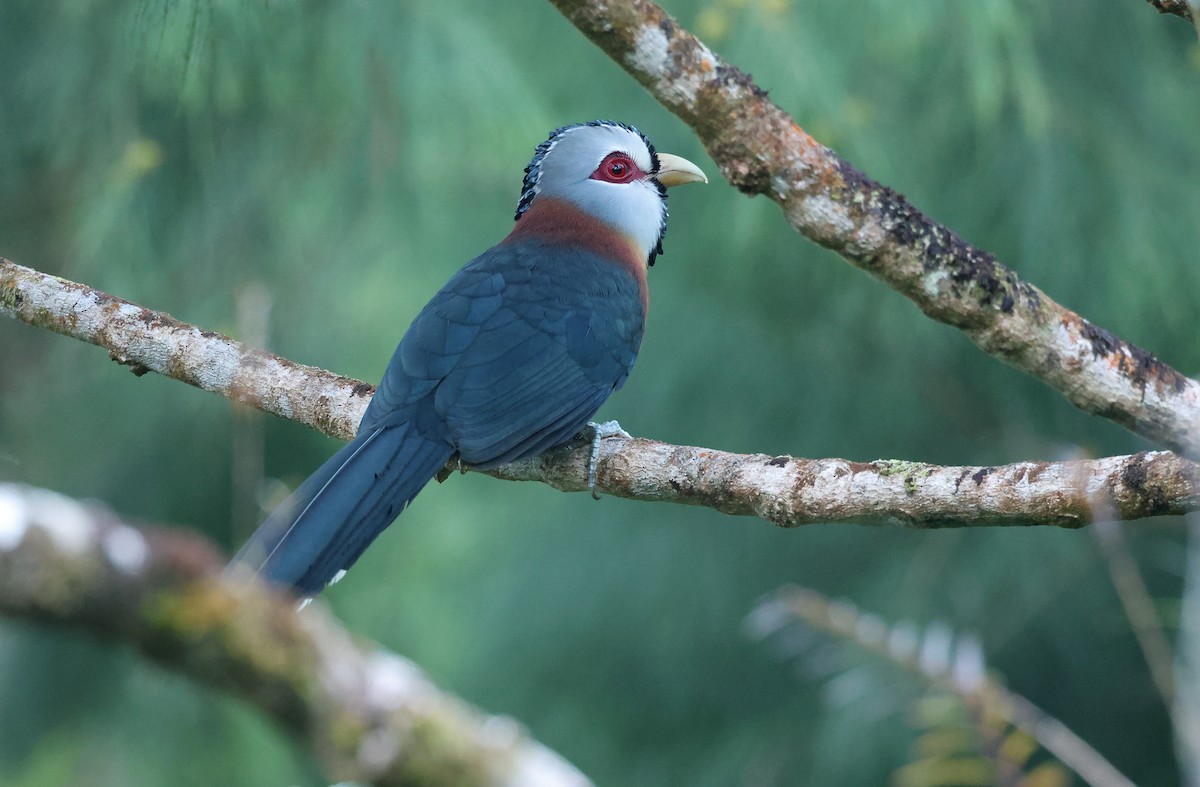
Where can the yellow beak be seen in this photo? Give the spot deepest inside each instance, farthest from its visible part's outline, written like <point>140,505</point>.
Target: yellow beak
<point>675,171</point>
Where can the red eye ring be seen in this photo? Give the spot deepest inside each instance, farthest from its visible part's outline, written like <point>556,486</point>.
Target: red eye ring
<point>617,167</point>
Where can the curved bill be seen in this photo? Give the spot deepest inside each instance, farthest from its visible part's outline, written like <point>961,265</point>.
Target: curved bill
<point>675,171</point>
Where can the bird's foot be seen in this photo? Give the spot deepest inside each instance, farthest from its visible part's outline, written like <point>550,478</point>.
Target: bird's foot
<point>600,432</point>
<point>455,463</point>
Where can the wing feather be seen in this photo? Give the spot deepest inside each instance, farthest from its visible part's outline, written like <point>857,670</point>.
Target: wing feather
<point>519,349</point>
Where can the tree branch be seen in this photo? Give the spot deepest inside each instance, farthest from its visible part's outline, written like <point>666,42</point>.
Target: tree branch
<point>368,714</point>
<point>147,340</point>
<point>761,150</point>
<point>781,489</point>
<point>789,492</point>
<point>1176,7</point>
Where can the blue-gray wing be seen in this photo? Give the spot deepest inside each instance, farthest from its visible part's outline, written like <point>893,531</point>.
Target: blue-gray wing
<point>516,352</point>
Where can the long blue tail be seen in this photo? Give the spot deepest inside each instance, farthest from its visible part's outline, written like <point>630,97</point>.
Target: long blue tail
<point>338,511</point>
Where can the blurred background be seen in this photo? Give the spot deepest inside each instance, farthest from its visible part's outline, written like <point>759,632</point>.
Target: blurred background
<point>305,174</point>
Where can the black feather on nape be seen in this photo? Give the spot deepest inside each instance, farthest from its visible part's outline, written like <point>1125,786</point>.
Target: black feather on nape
<point>533,172</point>
<point>657,251</point>
<point>662,230</point>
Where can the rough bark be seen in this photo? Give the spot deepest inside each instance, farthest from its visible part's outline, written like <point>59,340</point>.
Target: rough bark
<point>789,491</point>
<point>784,490</point>
<point>368,714</point>
<point>761,150</point>
<point>147,340</point>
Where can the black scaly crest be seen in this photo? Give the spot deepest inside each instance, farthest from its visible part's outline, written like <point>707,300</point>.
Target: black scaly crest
<point>533,172</point>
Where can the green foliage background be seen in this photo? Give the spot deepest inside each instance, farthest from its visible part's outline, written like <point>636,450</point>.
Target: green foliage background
<point>351,155</point>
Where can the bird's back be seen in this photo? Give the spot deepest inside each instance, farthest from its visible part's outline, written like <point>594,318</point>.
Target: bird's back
<point>516,352</point>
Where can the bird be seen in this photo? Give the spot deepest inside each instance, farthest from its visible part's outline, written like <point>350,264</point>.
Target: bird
<point>512,357</point>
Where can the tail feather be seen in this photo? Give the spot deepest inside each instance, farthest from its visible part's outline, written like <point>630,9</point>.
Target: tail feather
<point>325,525</point>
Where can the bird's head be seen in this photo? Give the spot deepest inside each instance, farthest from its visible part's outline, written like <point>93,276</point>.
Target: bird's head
<point>612,172</point>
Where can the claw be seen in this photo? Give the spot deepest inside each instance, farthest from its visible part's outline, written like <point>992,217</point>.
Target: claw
<point>601,432</point>
<point>448,469</point>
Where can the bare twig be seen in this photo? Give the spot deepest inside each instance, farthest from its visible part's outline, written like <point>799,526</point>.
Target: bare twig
<point>367,714</point>
<point>781,489</point>
<point>958,666</point>
<point>1187,664</point>
<point>1139,608</point>
<point>761,150</point>
<point>247,467</point>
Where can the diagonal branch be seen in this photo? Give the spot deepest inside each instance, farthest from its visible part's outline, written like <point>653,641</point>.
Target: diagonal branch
<point>761,150</point>
<point>783,490</point>
<point>147,340</point>
<point>367,714</point>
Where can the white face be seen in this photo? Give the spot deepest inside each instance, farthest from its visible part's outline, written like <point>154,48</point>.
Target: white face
<point>636,207</point>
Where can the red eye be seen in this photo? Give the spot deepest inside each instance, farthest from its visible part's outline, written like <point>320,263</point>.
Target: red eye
<point>617,168</point>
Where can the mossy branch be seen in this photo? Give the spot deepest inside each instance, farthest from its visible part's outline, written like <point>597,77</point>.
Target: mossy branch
<point>368,714</point>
